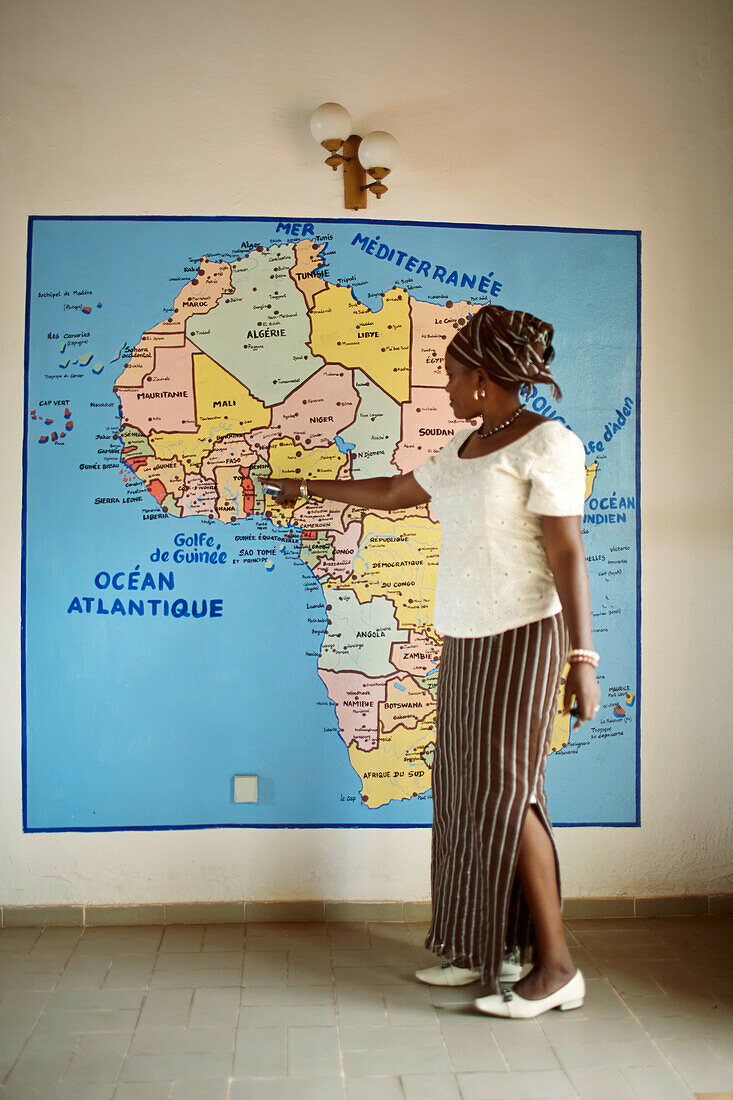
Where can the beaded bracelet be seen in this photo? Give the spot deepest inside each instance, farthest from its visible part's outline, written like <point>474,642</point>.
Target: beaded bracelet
<point>584,656</point>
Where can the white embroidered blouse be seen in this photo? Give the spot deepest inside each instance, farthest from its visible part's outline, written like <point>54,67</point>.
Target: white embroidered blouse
<point>493,573</point>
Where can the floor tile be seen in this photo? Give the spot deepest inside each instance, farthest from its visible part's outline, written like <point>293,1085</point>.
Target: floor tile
<point>547,1085</point>
<point>473,1049</point>
<point>601,1084</point>
<point>690,1004</point>
<point>266,968</point>
<point>64,1021</point>
<point>178,938</point>
<point>689,1027</point>
<point>657,1083</point>
<point>20,1011</point>
<point>261,1053</point>
<point>55,938</point>
<point>680,978</point>
<point>73,1091</point>
<point>85,972</point>
<point>28,981</point>
<point>82,999</point>
<point>361,1009</point>
<point>167,1008</point>
<point>698,1065</point>
<point>286,995</point>
<point>224,937</point>
<point>348,938</point>
<point>200,1090</point>
<point>439,1086</point>
<point>723,1048</point>
<point>198,960</point>
<point>119,941</point>
<point>215,1008</point>
<point>374,1088</point>
<point>381,976</point>
<point>313,1052</point>
<point>172,1067</point>
<point>630,978</point>
<point>395,1063</point>
<point>411,1005</point>
<point>288,1088</point>
<point>97,1058</point>
<point>259,1016</point>
<point>200,979</point>
<point>604,1002</point>
<point>389,1038</point>
<point>43,1060</point>
<point>146,1090</point>
<point>600,1055</point>
<point>129,972</point>
<point>18,939</point>
<point>46,962</point>
<point>566,1027</point>
<point>525,1048</point>
<point>178,1040</point>
<point>11,1047</point>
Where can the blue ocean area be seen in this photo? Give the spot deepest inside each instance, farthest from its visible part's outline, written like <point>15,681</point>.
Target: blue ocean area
<point>141,720</point>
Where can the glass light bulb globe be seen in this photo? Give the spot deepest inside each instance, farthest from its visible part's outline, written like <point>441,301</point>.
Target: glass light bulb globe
<point>379,150</point>
<point>330,121</point>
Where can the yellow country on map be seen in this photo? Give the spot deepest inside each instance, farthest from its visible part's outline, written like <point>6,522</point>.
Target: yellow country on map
<point>398,558</point>
<point>223,406</point>
<point>346,331</point>
<point>397,768</point>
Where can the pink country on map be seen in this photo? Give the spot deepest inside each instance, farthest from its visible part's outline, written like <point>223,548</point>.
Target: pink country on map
<point>344,545</point>
<point>419,655</point>
<point>324,405</point>
<point>307,260</point>
<point>233,450</point>
<point>428,424</point>
<point>433,327</point>
<point>357,699</point>
<point>165,400</point>
<point>199,296</point>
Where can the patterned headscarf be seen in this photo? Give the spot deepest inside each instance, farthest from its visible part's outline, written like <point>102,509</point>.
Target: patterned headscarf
<point>511,346</point>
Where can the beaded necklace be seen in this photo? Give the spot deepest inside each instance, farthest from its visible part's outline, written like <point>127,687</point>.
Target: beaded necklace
<point>499,427</point>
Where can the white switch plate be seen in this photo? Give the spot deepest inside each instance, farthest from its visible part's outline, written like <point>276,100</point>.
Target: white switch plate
<point>245,788</point>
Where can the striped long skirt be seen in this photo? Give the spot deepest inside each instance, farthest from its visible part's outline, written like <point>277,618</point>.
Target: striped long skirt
<point>496,701</point>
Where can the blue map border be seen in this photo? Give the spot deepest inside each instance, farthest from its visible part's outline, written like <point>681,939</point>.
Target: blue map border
<point>636,823</point>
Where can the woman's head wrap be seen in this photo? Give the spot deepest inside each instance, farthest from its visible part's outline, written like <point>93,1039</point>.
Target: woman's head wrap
<point>511,346</point>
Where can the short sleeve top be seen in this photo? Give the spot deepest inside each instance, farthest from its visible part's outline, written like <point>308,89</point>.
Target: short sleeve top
<point>493,572</point>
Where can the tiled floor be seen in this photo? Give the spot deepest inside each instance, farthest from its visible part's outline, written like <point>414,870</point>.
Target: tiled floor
<point>331,1012</point>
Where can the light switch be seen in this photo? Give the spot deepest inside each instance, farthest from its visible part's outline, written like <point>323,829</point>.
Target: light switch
<point>245,788</point>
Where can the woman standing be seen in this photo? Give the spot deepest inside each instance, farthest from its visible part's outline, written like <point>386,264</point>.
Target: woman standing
<point>512,593</point>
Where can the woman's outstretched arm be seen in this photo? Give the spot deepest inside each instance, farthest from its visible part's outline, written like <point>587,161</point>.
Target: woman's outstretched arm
<point>386,494</point>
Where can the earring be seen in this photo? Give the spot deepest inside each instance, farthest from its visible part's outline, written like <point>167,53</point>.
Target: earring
<point>479,395</point>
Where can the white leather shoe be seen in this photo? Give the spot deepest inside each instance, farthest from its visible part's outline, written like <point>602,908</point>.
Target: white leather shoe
<point>448,974</point>
<point>511,1006</point>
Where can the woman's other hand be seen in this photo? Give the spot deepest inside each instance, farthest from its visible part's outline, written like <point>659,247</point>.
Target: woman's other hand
<point>582,689</point>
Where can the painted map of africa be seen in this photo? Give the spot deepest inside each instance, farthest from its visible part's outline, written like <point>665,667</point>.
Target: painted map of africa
<point>265,368</point>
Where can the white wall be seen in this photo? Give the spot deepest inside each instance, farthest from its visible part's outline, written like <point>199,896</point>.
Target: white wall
<point>587,113</point>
